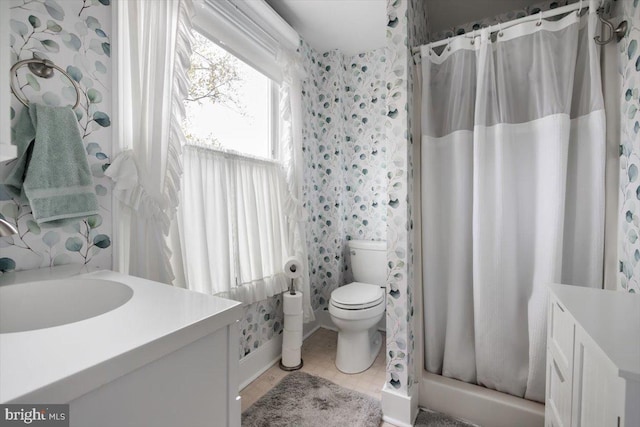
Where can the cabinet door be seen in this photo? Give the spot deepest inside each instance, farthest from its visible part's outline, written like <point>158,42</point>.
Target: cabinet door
<point>558,404</point>
<point>560,336</point>
<point>598,391</point>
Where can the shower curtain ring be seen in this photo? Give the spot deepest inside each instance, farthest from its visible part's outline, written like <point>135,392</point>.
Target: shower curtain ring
<point>449,44</point>
<point>500,33</point>
<point>539,19</point>
<point>580,9</point>
<point>473,37</point>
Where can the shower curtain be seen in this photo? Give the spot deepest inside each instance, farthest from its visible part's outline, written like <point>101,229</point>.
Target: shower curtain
<point>513,140</point>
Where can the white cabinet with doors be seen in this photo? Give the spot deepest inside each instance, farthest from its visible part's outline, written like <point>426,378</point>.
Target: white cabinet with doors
<point>593,358</point>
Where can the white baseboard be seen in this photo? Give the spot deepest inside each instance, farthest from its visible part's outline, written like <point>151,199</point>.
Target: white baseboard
<point>311,327</point>
<point>399,409</point>
<point>323,318</point>
<point>259,360</point>
<point>268,354</point>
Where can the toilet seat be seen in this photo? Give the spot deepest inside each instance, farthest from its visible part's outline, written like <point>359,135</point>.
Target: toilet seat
<point>357,296</point>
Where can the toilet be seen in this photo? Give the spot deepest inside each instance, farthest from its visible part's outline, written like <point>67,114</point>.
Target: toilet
<point>357,308</point>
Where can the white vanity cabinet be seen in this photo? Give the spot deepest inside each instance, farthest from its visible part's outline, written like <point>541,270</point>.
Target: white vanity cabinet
<point>593,358</point>
<point>165,357</point>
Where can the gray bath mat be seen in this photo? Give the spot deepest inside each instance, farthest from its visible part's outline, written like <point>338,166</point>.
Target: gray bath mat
<point>303,400</point>
<point>427,418</point>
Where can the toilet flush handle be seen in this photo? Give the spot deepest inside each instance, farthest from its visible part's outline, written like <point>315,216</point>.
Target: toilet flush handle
<point>353,252</point>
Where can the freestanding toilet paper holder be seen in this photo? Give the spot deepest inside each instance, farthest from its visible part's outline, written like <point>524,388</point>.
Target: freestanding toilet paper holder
<point>292,291</point>
<point>292,271</point>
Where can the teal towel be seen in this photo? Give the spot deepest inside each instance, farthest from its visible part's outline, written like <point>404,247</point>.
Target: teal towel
<point>51,171</point>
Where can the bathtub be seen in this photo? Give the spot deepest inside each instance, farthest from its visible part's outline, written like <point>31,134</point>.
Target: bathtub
<point>485,407</point>
<point>119,350</point>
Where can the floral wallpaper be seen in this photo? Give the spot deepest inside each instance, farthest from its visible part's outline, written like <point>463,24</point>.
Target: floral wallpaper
<point>629,196</point>
<point>323,139</point>
<point>365,159</point>
<point>260,322</point>
<point>75,35</point>
<point>345,183</point>
<point>399,314</point>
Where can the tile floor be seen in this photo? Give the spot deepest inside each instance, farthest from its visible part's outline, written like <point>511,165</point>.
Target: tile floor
<point>319,355</point>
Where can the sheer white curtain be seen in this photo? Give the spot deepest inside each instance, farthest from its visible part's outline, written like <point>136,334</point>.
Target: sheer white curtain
<point>513,141</point>
<point>235,230</point>
<point>153,58</point>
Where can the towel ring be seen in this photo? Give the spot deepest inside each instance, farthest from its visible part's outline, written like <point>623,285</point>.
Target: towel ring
<point>41,68</point>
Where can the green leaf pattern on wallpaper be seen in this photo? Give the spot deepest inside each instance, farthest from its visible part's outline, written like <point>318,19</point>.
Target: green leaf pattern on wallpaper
<point>75,36</point>
<point>323,145</point>
<point>345,107</point>
<point>400,339</point>
<point>261,321</point>
<point>629,203</point>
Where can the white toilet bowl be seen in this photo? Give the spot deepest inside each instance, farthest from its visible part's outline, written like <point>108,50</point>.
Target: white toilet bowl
<point>356,309</point>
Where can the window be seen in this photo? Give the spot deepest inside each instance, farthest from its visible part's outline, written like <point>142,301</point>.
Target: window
<point>235,194</point>
<point>240,215</point>
<point>231,106</point>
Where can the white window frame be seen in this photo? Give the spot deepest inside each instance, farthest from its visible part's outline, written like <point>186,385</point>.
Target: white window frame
<point>274,113</point>
<point>273,102</point>
<point>250,30</point>
<point>253,32</point>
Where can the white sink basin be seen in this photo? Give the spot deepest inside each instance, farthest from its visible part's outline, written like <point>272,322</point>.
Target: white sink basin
<point>39,305</point>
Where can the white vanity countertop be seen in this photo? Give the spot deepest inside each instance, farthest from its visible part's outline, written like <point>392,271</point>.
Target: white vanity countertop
<point>59,364</point>
<point>611,319</point>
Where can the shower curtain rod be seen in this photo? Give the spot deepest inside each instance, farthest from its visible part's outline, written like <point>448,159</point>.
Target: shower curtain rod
<point>498,27</point>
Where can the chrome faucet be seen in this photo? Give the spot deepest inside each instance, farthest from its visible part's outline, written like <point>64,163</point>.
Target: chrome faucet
<point>6,229</point>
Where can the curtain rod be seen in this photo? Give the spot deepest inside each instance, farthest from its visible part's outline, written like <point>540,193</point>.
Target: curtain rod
<point>541,15</point>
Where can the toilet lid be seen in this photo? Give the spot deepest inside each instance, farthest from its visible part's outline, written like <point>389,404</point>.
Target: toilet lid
<point>357,296</point>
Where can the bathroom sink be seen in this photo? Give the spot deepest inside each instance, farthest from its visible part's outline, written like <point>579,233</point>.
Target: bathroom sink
<point>45,304</point>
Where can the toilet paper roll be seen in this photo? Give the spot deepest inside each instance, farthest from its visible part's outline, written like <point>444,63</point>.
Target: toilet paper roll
<point>293,322</point>
<point>293,268</point>
<point>291,339</point>
<point>292,303</point>
<point>290,357</point>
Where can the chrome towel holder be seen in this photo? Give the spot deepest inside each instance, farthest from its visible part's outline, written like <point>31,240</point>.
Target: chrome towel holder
<point>42,68</point>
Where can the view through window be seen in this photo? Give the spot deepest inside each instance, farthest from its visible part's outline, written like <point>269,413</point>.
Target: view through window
<point>229,102</point>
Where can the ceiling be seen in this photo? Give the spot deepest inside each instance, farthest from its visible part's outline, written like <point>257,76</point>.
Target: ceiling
<point>355,26</point>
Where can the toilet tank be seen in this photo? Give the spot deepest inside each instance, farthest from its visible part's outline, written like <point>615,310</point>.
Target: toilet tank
<point>369,261</point>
